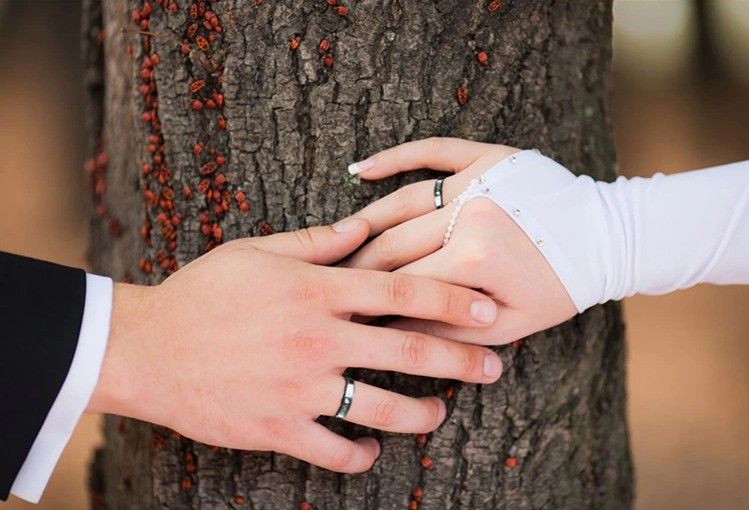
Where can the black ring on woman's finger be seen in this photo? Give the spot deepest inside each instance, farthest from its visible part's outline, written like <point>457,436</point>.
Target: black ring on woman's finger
<point>438,202</point>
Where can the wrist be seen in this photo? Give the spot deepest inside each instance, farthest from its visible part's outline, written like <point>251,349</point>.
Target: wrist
<point>119,387</point>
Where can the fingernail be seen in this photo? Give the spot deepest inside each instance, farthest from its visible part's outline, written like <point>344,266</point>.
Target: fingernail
<point>360,166</point>
<point>484,311</point>
<point>492,365</point>
<point>443,411</point>
<point>378,449</point>
<point>346,225</point>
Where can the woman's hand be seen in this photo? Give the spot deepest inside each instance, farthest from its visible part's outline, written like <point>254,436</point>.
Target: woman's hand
<point>487,249</point>
<point>245,347</point>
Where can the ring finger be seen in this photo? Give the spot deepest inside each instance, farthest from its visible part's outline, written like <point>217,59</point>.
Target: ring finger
<point>384,410</point>
<point>404,243</point>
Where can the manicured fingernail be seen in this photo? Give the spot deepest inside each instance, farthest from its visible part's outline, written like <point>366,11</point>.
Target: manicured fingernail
<point>346,225</point>
<point>360,166</point>
<point>492,365</point>
<point>484,311</point>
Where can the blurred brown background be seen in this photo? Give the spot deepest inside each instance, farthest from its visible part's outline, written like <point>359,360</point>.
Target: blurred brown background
<point>680,101</point>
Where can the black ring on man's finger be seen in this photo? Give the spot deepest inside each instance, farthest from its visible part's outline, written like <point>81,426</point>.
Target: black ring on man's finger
<point>438,202</point>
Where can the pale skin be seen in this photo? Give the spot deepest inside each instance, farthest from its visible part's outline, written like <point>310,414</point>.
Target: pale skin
<point>487,250</point>
<point>245,346</point>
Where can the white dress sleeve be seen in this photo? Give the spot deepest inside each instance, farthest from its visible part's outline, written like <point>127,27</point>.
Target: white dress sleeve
<point>641,235</point>
<point>74,394</point>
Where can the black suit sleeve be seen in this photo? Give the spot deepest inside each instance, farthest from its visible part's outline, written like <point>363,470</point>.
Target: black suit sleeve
<point>41,308</point>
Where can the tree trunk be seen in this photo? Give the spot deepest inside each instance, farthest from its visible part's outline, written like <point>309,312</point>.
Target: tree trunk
<point>273,107</point>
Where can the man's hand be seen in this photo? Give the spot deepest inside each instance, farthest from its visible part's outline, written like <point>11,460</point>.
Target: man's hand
<point>245,347</point>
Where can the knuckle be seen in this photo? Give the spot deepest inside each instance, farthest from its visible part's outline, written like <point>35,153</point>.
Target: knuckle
<point>305,347</point>
<point>276,429</point>
<point>414,350</point>
<point>341,457</point>
<point>435,144</point>
<point>451,304</point>
<point>388,246</point>
<point>472,362</point>
<point>385,413</point>
<point>404,197</point>
<point>304,237</point>
<point>400,290</point>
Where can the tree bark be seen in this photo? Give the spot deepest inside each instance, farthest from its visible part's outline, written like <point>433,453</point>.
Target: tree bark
<point>286,119</point>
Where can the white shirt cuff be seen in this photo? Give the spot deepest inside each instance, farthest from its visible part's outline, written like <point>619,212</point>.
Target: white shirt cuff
<point>74,394</point>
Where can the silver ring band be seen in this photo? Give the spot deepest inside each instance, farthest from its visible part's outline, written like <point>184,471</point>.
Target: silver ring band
<point>438,202</point>
<point>348,397</point>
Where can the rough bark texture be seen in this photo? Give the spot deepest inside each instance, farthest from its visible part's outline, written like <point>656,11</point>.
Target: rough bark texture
<point>294,117</point>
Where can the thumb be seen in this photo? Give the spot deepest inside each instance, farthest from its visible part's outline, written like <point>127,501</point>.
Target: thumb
<point>317,245</point>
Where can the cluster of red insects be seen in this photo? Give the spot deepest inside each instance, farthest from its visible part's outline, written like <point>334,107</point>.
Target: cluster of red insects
<point>158,193</point>
<point>482,57</point>
<point>324,47</point>
<point>203,28</point>
<point>96,170</point>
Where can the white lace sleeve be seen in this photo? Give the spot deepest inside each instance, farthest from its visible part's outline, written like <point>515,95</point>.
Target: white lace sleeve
<point>641,235</point>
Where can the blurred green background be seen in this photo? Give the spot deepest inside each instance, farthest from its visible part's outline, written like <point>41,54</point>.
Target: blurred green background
<point>680,101</point>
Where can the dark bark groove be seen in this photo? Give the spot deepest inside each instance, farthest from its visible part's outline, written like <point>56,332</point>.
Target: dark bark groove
<point>293,119</point>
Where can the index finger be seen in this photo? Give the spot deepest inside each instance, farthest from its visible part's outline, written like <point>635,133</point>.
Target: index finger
<point>375,293</point>
<point>437,153</point>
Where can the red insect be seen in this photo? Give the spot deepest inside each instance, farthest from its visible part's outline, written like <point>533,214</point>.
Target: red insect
<point>218,232</point>
<point>155,59</point>
<point>186,191</point>
<point>220,160</point>
<point>186,484</point>
<point>341,10</point>
<point>417,493</point>
<point>324,46</point>
<point>197,105</point>
<point>145,266</point>
<point>421,440</point>
<point>265,228</point>
<point>426,462</point>
<point>482,57</point>
<point>192,30</point>
<point>197,149</point>
<point>210,104</point>
<point>203,187</point>
<point>332,3</point>
<point>194,11</point>
<point>304,505</point>
<point>173,8</point>
<point>219,98</point>
<point>197,86</point>
<point>511,462</point>
<point>413,505</point>
<point>208,168</point>
<point>146,9</point>
<point>202,43</point>
<point>184,48</point>
<point>295,42</point>
<point>494,5</point>
<point>327,60</point>
<point>239,500</point>
<point>449,391</point>
<point>146,116</point>
<point>222,122</point>
<point>462,96</point>
<point>220,179</point>
<point>244,207</point>
<point>240,197</point>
